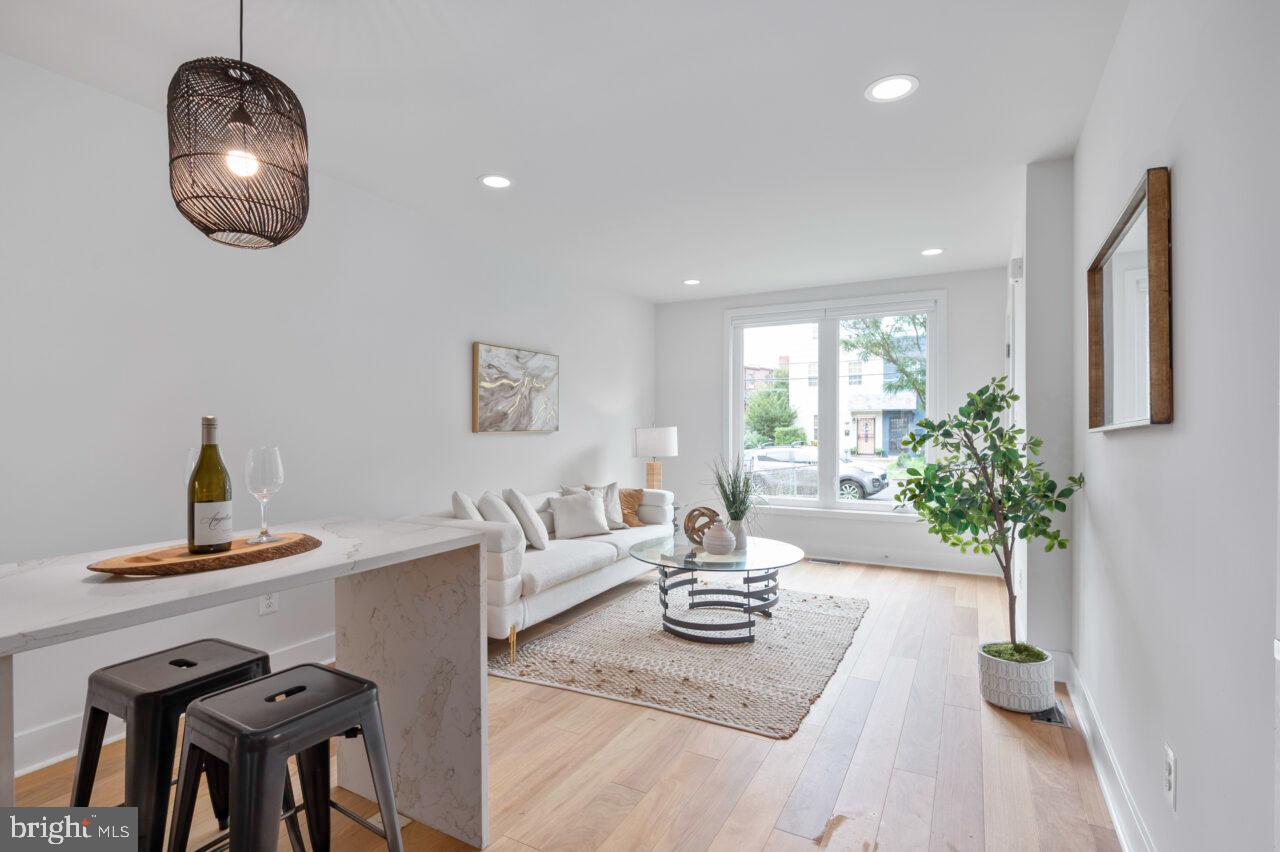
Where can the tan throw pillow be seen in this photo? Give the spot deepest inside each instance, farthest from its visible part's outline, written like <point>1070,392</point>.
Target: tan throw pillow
<point>629,499</point>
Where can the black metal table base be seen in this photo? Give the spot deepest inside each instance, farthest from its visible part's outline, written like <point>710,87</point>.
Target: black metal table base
<point>758,595</point>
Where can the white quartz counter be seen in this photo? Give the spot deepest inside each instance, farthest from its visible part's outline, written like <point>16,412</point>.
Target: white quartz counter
<point>46,601</point>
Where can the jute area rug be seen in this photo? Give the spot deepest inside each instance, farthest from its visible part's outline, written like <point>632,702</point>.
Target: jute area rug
<point>766,687</point>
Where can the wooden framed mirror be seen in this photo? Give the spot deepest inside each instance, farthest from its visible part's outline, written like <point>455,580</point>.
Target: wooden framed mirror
<point>1130,348</point>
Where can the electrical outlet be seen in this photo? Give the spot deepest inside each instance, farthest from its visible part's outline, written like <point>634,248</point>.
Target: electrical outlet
<point>1170,777</point>
<point>269,604</point>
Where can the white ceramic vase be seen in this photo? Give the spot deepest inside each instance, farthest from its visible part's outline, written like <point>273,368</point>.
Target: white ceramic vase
<point>1021,687</point>
<point>739,534</point>
<point>717,540</point>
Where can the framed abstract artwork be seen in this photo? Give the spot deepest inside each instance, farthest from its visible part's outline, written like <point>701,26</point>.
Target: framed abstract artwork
<point>514,390</point>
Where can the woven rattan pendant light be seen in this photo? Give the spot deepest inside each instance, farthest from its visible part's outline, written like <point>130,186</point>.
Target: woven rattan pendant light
<point>237,151</point>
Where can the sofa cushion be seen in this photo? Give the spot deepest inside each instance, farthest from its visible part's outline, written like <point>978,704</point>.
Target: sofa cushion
<point>622,540</point>
<point>563,560</point>
<point>496,510</point>
<point>535,531</point>
<point>579,515</point>
<point>629,502</point>
<point>464,508</point>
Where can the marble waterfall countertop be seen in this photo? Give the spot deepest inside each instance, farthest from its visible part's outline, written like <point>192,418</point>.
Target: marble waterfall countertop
<point>57,599</point>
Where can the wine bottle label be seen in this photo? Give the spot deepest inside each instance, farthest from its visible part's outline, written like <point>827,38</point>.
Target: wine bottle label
<point>212,523</point>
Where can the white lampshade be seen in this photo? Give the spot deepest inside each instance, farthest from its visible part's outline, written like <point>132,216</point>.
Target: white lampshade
<point>655,441</point>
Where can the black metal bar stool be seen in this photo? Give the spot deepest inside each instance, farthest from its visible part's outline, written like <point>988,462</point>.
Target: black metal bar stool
<point>256,727</point>
<point>151,693</point>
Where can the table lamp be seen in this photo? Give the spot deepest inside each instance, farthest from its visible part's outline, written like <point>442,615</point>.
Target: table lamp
<point>655,441</point>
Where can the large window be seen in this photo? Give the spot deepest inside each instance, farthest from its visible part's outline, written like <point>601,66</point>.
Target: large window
<point>867,369</point>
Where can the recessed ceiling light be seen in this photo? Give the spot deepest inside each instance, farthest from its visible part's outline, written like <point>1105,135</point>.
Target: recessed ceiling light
<point>931,252</point>
<point>495,181</point>
<point>893,88</point>
<point>692,282</point>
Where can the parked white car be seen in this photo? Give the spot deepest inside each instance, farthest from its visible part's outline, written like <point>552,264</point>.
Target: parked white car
<point>791,470</point>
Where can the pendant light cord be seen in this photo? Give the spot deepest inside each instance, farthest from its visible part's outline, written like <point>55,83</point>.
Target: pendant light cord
<point>242,30</point>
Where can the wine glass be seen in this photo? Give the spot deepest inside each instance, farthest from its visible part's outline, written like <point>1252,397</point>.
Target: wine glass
<point>263,476</point>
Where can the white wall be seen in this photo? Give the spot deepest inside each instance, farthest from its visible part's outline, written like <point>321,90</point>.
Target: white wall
<point>1175,583</point>
<point>692,396</point>
<point>349,347</point>
<point>1047,407</point>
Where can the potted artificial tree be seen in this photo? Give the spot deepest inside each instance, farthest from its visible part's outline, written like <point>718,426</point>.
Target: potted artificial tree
<point>985,490</point>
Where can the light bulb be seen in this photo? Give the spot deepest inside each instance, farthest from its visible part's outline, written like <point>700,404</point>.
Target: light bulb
<point>893,88</point>
<point>242,163</point>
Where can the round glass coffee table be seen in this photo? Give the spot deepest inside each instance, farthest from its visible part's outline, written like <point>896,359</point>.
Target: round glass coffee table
<point>755,593</point>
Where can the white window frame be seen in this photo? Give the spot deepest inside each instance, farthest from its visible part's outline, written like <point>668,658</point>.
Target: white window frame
<point>827,314</point>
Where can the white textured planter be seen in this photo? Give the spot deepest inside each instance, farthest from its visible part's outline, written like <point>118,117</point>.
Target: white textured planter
<point>1022,687</point>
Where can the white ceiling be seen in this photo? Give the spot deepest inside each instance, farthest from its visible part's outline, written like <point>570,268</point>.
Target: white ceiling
<point>649,141</point>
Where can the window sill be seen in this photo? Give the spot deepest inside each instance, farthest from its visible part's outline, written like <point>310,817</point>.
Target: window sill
<point>882,515</point>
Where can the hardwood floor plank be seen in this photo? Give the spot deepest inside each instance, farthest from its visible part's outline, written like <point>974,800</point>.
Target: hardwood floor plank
<point>964,692</point>
<point>780,841</point>
<point>1008,813</point>
<point>911,631</point>
<point>908,813</point>
<point>751,821</point>
<point>882,635</point>
<point>506,844</point>
<point>859,806</point>
<point>562,799</point>
<point>957,805</point>
<point>1058,808</point>
<point>643,772</point>
<point>963,654</point>
<point>712,741</point>
<point>922,728</point>
<point>602,814</point>
<point>967,590</point>
<point>645,824</point>
<point>1095,806</point>
<point>813,798</point>
<point>695,825</point>
<point>1105,839</point>
<point>524,789</point>
<point>965,621</point>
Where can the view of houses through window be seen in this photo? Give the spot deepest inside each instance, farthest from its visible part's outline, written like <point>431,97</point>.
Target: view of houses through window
<point>881,389</point>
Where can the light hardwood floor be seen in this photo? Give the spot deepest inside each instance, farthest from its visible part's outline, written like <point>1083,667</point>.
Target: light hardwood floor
<point>900,752</point>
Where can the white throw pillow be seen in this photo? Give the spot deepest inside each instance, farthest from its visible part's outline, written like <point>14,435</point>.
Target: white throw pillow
<point>579,514</point>
<point>534,529</point>
<point>612,503</point>
<point>493,508</point>
<point>464,508</point>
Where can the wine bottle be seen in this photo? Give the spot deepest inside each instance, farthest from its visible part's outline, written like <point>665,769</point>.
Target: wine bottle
<point>209,496</point>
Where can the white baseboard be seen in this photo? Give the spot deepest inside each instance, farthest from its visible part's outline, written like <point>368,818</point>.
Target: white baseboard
<point>948,569</point>
<point>1064,668</point>
<point>48,743</point>
<point>1130,829</point>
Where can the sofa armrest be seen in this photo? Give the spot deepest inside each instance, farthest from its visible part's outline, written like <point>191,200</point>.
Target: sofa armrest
<point>656,507</point>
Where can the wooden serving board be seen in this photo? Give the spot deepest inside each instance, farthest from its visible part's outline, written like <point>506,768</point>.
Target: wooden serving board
<point>168,561</point>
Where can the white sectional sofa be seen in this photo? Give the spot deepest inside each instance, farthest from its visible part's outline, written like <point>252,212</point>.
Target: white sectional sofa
<point>527,586</point>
